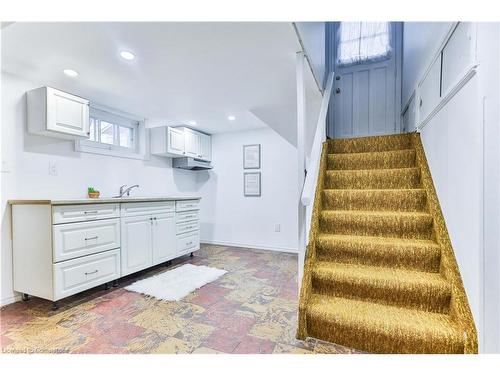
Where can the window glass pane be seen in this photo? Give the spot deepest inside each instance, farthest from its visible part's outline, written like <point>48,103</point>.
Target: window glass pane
<point>92,129</point>
<point>125,136</point>
<point>107,132</point>
<point>361,42</point>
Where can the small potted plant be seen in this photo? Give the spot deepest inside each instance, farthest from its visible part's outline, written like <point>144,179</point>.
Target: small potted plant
<point>93,193</point>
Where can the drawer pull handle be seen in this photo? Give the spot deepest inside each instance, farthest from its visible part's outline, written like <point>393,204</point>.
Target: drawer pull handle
<point>91,273</point>
<point>92,238</point>
<point>189,243</point>
<point>90,212</point>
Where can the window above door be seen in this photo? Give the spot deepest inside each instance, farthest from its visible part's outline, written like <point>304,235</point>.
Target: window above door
<point>363,42</point>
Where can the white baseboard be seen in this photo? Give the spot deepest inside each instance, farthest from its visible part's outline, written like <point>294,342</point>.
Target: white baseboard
<point>10,299</point>
<point>251,246</point>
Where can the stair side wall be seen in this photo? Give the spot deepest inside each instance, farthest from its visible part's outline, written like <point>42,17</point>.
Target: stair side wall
<point>459,307</point>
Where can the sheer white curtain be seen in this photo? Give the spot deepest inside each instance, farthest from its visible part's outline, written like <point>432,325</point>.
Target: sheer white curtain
<point>363,42</point>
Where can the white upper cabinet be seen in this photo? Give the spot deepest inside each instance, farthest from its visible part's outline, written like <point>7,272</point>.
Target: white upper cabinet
<point>205,147</point>
<point>179,142</point>
<point>175,141</point>
<point>191,143</point>
<point>57,114</point>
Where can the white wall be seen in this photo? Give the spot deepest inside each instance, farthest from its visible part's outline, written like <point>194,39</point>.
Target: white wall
<point>420,43</point>
<point>462,148</point>
<point>25,170</point>
<point>312,35</point>
<point>227,217</point>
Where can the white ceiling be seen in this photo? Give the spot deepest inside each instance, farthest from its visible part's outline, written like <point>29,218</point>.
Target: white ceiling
<point>182,71</point>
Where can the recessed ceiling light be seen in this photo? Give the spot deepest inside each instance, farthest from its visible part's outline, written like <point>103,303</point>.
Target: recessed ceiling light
<point>127,55</point>
<point>70,72</point>
<point>192,123</point>
<point>231,118</point>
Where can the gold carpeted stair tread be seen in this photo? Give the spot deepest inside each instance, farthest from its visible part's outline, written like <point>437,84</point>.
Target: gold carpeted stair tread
<point>416,254</point>
<point>423,290</point>
<point>377,223</point>
<point>395,178</point>
<point>372,160</point>
<point>374,199</point>
<point>380,274</point>
<point>369,144</point>
<point>378,328</point>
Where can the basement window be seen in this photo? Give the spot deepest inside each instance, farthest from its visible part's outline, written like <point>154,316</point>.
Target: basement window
<point>363,42</point>
<point>114,135</point>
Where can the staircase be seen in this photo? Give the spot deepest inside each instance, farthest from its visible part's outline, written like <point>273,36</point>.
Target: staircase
<point>380,273</point>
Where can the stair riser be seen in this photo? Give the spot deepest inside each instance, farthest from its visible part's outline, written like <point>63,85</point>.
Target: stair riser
<point>370,144</point>
<point>368,200</point>
<point>399,159</point>
<point>408,257</point>
<point>365,339</point>
<point>376,179</point>
<point>422,296</point>
<point>419,227</point>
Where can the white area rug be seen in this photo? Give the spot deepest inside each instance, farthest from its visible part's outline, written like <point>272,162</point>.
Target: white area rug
<point>175,284</point>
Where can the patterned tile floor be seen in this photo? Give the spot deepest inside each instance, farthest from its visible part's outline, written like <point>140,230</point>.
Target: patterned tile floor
<point>251,309</point>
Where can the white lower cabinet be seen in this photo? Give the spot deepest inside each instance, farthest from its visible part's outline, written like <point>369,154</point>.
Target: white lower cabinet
<point>188,242</point>
<point>78,239</point>
<point>83,273</point>
<point>136,244</point>
<point>163,238</point>
<point>147,241</point>
<point>74,247</point>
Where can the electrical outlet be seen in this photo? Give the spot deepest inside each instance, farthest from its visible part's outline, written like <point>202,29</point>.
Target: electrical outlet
<point>52,168</point>
<point>277,227</point>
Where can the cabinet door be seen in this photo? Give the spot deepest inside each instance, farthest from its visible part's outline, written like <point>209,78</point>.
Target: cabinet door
<point>205,147</point>
<point>163,239</point>
<point>191,143</point>
<point>430,91</point>
<point>66,113</point>
<point>175,141</point>
<point>136,243</point>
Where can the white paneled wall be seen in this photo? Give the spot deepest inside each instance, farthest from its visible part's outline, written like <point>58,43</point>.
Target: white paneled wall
<point>458,121</point>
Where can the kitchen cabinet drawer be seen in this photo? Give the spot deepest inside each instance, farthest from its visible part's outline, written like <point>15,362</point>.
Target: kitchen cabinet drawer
<point>182,217</point>
<point>83,273</point>
<point>146,208</point>
<point>84,212</point>
<point>188,227</point>
<point>189,205</point>
<point>188,242</point>
<point>84,238</point>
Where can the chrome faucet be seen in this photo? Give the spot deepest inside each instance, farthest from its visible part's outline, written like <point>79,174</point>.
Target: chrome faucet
<point>124,191</point>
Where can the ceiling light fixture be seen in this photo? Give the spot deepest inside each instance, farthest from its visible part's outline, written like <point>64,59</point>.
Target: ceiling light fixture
<point>231,118</point>
<point>192,123</point>
<point>70,72</point>
<point>127,55</point>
